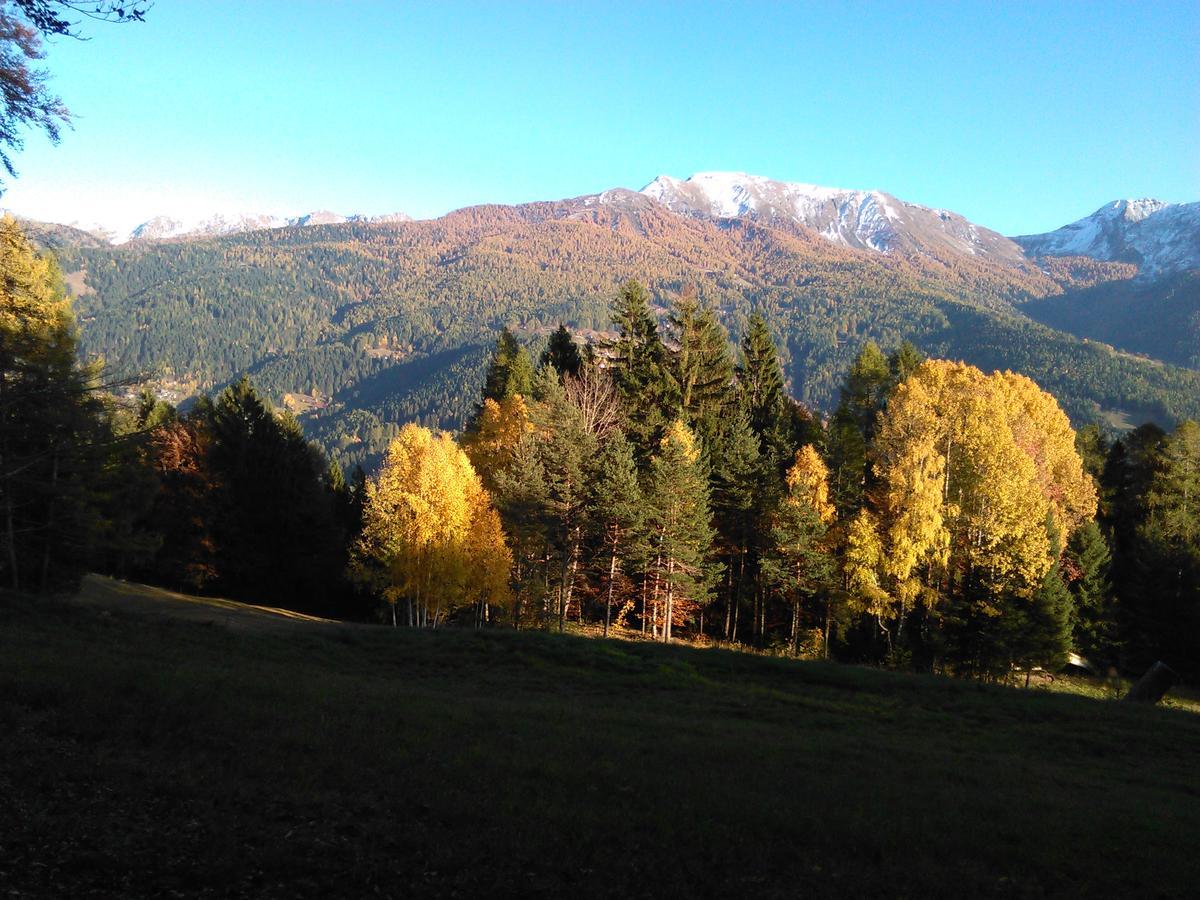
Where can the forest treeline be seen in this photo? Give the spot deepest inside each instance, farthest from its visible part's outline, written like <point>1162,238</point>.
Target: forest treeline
<point>386,323</point>
<point>655,481</point>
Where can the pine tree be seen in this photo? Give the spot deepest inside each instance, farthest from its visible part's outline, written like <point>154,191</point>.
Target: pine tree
<point>703,368</point>
<point>681,529</point>
<point>616,509</point>
<point>736,481</point>
<point>852,427</point>
<point>562,353</point>
<point>800,564</point>
<point>564,445</point>
<point>523,500</point>
<point>761,379</point>
<point>276,526</point>
<point>510,371</point>
<point>1095,614</point>
<point>641,370</point>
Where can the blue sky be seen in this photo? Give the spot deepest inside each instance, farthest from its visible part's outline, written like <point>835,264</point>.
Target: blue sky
<point>1021,116</point>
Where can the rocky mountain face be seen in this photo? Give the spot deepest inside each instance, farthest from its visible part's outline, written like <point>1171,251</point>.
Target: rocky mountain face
<point>863,220</point>
<point>1160,238</point>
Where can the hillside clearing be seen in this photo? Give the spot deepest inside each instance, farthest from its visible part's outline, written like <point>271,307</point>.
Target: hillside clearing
<point>153,755</point>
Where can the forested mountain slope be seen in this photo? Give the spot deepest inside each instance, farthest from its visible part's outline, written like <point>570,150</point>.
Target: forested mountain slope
<point>367,325</point>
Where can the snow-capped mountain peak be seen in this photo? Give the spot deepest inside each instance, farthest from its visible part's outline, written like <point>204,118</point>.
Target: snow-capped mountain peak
<point>165,227</point>
<point>865,220</point>
<point>1159,237</point>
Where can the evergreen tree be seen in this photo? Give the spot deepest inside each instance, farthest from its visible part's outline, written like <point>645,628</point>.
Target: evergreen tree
<point>852,428</point>
<point>1095,616</point>
<point>703,368</point>
<point>902,362</point>
<point>510,371</point>
<point>736,479</point>
<point>276,527</point>
<point>523,500</point>
<point>564,445</point>
<point>617,511</point>
<point>641,370</point>
<point>761,378</point>
<point>1044,626</point>
<point>562,353</point>
<point>681,530</point>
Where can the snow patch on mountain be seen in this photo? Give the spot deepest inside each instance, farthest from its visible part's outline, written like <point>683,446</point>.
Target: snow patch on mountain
<point>1161,238</point>
<point>161,228</point>
<point>864,220</point>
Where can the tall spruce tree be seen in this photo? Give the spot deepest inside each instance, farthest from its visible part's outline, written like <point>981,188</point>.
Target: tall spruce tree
<point>562,353</point>
<point>641,370</point>
<point>564,445</point>
<point>1094,620</point>
<point>852,427</point>
<point>703,368</point>
<point>736,473</point>
<point>681,530</point>
<point>618,513</point>
<point>761,378</point>
<point>510,371</point>
<point>276,529</point>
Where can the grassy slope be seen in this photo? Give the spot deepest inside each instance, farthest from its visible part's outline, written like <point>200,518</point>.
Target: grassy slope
<point>138,750</point>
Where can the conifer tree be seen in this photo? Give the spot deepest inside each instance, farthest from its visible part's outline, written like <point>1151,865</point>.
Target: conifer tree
<point>1095,614</point>
<point>703,368</point>
<point>736,482</point>
<point>562,353</point>
<point>617,510</point>
<point>852,427</point>
<point>523,500</point>
<point>564,446</point>
<point>682,535</point>
<point>276,527</point>
<point>761,378</point>
<point>510,371</point>
<point>641,370</point>
<point>800,564</point>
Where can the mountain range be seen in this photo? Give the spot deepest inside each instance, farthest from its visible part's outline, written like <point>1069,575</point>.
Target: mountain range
<point>361,324</point>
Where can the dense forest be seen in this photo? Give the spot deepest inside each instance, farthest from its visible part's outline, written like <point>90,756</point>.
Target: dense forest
<point>658,480</point>
<point>360,328</point>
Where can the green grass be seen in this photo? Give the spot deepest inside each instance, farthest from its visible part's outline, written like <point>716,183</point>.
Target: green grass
<point>144,756</point>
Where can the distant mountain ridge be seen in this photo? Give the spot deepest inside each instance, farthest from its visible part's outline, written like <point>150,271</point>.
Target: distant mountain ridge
<point>863,220</point>
<point>1160,238</point>
<point>165,227</point>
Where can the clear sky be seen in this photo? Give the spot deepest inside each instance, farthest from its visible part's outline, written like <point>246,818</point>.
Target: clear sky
<point>1021,116</point>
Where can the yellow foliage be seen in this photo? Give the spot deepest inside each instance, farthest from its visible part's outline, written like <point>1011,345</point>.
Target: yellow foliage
<point>491,443</point>
<point>971,467</point>
<point>32,305</point>
<point>808,482</point>
<point>863,564</point>
<point>679,434</point>
<point>430,528</point>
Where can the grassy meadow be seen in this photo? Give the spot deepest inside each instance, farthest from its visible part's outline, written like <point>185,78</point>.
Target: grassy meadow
<point>163,755</point>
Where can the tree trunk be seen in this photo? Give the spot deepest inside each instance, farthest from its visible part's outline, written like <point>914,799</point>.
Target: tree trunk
<point>612,571</point>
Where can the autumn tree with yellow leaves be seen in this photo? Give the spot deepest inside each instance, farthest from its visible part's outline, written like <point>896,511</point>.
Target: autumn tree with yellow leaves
<point>431,538</point>
<point>801,565</point>
<point>975,474</point>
